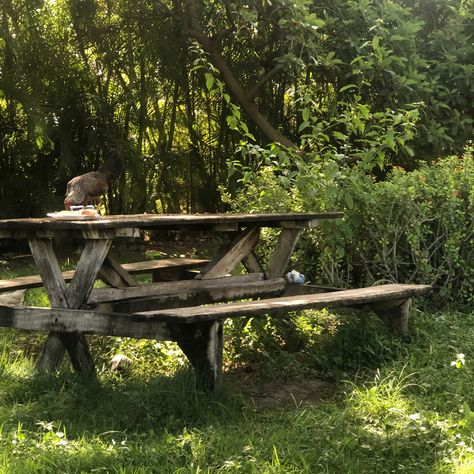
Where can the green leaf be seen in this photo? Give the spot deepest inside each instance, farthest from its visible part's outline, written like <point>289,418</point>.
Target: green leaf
<point>349,86</point>
<point>232,122</point>
<point>339,135</point>
<point>209,80</point>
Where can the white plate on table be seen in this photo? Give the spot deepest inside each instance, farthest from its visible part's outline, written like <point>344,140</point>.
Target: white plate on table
<point>72,216</point>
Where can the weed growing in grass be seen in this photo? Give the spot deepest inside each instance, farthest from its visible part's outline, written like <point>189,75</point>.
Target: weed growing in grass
<point>400,405</point>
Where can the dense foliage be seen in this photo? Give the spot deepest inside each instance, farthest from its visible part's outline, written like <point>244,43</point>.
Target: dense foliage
<point>176,85</point>
<point>414,226</point>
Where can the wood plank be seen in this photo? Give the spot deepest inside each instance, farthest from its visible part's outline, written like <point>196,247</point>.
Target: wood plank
<point>55,286</point>
<point>100,295</point>
<point>226,261</point>
<point>252,263</point>
<point>203,345</point>
<point>153,324</point>
<point>52,354</point>
<point>147,266</point>
<point>87,270</point>
<point>48,267</point>
<point>24,282</point>
<point>289,303</point>
<point>13,227</point>
<point>38,231</point>
<point>113,274</point>
<point>61,320</point>
<point>203,295</point>
<point>280,258</point>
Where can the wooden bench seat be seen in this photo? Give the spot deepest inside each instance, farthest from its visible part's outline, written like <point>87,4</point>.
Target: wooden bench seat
<point>147,266</point>
<point>386,300</point>
<point>198,330</point>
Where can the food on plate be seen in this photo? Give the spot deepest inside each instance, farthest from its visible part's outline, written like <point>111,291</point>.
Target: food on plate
<point>76,214</point>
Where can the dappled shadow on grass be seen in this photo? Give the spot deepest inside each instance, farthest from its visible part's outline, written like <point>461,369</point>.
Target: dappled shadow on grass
<point>329,346</point>
<point>167,426</point>
<point>399,421</point>
<point>93,406</point>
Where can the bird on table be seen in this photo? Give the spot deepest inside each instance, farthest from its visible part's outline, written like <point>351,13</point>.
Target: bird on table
<point>88,188</point>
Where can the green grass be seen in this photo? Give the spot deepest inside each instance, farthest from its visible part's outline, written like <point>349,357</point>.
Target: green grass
<point>409,413</point>
<point>396,405</point>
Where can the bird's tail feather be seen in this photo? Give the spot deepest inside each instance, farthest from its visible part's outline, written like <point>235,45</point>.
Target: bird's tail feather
<point>113,166</point>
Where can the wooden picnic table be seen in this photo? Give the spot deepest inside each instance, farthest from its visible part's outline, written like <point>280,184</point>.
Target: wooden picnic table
<point>190,312</point>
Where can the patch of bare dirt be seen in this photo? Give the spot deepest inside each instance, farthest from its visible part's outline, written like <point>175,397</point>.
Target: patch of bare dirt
<point>283,393</point>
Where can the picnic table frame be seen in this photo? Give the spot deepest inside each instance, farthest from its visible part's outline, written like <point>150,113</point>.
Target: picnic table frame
<point>71,316</point>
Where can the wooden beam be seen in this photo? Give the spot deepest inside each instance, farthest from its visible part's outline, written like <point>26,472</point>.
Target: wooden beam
<point>394,313</point>
<point>238,249</point>
<point>68,234</point>
<point>280,258</point>
<point>360,296</point>
<point>114,274</point>
<point>87,271</point>
<point>148,266</point>
<point>252,263</point>
<point>61,320</point>
<point>198,296</point>
<point>100,295</point>
<point>203,344</point>
<point>50,272</point>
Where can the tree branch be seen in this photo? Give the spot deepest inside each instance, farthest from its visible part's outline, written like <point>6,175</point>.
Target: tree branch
<point>263,80</point>
<point>194,30</point>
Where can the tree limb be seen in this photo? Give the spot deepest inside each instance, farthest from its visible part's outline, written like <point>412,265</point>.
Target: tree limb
<point>194,30</point>
<point>263,80</point>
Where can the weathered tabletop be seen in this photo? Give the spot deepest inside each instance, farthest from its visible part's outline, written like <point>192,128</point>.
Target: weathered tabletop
<point>96,237</point>
<point>21,228</point>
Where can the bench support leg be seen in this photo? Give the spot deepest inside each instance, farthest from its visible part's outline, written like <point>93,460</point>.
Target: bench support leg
<point>394,314</point>
<point>52,355</point>
<point>202,343</point>
<point>73,297</point>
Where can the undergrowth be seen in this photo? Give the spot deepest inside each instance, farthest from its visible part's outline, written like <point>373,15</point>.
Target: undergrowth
<point>397,405</point>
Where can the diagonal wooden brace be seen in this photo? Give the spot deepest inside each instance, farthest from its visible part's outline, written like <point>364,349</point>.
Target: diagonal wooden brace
<point>60,296</point>
<point>238,249</point>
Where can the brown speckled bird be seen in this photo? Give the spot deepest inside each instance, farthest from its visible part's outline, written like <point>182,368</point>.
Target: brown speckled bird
<point>89,187</point>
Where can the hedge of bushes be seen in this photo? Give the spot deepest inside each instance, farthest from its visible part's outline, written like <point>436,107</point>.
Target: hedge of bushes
<point>413,226</point>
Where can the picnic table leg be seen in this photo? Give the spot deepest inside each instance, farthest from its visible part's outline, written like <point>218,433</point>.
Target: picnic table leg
<point>202,343</point>
<point>73,297</point>
<point>280,258</point>
<point>394,314</point>
<point>232,255</point>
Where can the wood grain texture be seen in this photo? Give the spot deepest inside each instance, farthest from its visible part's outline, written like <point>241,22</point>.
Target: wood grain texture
<point>291,303</point>
<point>50,272</point>
<point>60,320</point>
<point>252,263</point>
<point>162,221</point>
<point>227,259</point>
<point>153,324</point>
<point>113,274</point>
<point>394,314</point>
<point>88,266</point>
<point>101,295</point>
<point>203,344</point>
<point>202,295</point>
<point>134,268</point>
<point>280,258</point>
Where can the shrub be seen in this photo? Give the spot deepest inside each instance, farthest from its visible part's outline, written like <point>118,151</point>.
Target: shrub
<point>411,227</point>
